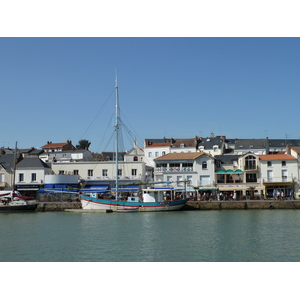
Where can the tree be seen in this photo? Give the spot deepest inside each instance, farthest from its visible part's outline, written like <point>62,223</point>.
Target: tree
<point>83,145</point>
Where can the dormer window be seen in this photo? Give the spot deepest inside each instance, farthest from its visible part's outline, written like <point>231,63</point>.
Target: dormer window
<point>182,145</point>
<point>204,165</point>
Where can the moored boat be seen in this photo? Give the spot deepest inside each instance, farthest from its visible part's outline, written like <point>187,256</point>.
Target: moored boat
<point>152,199</point>
<point>14,202</point>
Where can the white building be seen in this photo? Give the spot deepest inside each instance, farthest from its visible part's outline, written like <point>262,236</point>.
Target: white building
<point>30,174</point>
<point>197,168</point>
<point>279,172</point>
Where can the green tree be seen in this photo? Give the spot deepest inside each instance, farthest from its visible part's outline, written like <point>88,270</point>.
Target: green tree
<point>83,144</point>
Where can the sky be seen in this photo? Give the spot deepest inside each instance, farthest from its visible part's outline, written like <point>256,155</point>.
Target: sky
<point>59,89</point>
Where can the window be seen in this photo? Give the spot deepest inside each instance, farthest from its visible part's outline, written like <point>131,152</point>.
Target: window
<point>250,162</point>
<point>133,172</point>
<point>204,165</point>
<point>75,172</point>
<point>1,177</point>
<point>135,158</point>
<point>90,172</point>
<point>181,145</point>
<point>21,177</point>
<point>33,177</point>
<point>164,153</point>
<point>189,179</point>
<point>270,175</point>
<point>216,148</point>
<point>220,178</point>
<point>251,177</point>
<point>283,163</point>
<point>269,164</point>
<point>205,180</point>
<point>120,172</point>
<point>150,154</point>
<point>284,175</point>
<point>61,172</point>
<point>104,172</point>
<point>156,154</point>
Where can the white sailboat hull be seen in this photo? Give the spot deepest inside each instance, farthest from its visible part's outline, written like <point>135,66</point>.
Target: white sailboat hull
<point>90,203</point>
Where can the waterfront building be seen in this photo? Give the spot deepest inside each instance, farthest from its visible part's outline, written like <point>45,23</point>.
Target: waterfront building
<point>198,168</point>
<point>238,176</point>
<point>30,174</point>
<point>279,174</point>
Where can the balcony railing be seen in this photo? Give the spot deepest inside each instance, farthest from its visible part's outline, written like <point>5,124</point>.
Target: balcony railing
<point>132,177</point>
<point>173,169</point>
<point>278,179</point>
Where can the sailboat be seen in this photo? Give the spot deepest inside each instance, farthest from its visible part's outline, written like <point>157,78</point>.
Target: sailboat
<point>13,201</point>
<point>151,199</point>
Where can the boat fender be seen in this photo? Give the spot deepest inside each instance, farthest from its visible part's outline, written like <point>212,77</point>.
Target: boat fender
<point>272,207</point>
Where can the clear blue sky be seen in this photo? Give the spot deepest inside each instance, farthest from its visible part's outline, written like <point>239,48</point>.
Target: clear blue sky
<point>53,88</point>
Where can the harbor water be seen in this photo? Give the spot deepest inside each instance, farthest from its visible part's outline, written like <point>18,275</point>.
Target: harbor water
<point>179,236</point>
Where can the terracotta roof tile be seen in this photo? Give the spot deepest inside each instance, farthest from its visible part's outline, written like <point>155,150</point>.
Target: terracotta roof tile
<point>276,157</point>
<point>54,145</point>
<point>180,156</point>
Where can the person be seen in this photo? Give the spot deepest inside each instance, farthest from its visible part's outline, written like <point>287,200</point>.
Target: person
<point>234,196</point>
<point>278,195</point>
<point>282,195</point>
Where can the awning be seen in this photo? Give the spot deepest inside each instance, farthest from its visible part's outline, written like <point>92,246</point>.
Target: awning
<point>238,188</point>
<point>127,188</point>
<point>238,171</point>
<point>229,171</point>
<point>95,189</point>
<point>208,188</point>
<point>42,191</point>
<point>220,172</point>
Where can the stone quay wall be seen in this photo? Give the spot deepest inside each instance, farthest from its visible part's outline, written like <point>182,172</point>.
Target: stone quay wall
<point>249,204</point>
<point>58,206</point>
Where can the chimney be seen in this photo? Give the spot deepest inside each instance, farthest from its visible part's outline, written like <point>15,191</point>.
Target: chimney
<point>288,149</point>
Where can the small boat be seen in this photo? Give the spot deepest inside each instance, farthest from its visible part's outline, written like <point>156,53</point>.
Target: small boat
<point>152,199</point>
<point>14,202</point>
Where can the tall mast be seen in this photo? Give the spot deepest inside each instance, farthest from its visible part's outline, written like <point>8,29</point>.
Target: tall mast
<point>117,136</point>
<point>14,173</point>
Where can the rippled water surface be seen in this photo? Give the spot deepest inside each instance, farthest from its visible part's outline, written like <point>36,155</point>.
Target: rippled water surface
<point>180,236</point>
